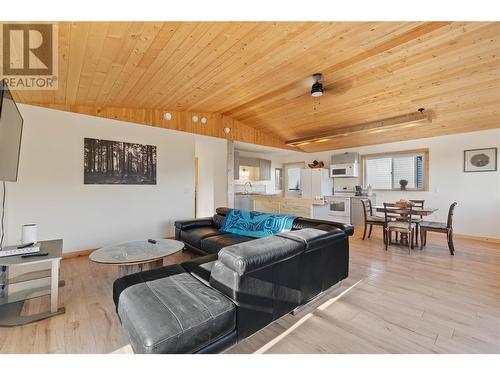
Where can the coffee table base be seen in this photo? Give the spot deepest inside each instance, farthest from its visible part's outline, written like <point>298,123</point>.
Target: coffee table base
<point>127,269</point>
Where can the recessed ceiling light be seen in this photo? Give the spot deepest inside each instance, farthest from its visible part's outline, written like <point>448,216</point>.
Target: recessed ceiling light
<point>204,120</point>
<point>167,116</point>
<point>227,130</point>
<point>194,118</point>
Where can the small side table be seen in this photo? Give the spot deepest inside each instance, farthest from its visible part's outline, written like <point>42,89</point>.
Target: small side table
<point>24,285</point>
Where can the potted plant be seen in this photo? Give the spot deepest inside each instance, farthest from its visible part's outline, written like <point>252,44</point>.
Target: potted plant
<point>403,184</point>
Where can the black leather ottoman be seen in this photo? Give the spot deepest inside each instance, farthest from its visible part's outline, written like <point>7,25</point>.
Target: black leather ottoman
<point>169,311</point>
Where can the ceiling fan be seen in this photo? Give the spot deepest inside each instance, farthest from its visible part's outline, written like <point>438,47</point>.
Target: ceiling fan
<point>317,86</point>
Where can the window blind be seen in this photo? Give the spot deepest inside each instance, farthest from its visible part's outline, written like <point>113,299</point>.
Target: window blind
<point>403,168</point>
<point>379,173</point>
<point>385,172</point>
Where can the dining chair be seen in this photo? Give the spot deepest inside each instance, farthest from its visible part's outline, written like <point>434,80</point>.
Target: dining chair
<point>418,203</point>
<point>371,219</point>
<point>434,226</point>
<point>417,218</point>
<point>404,224</point>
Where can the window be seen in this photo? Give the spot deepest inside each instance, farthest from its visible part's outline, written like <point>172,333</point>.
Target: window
<point>293,179</point>
<point>385,171</point>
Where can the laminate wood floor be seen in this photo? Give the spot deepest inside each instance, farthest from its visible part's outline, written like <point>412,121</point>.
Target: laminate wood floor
<point>392,302</point>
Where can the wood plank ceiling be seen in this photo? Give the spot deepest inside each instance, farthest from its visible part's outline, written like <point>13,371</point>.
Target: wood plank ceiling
<point>255,76</point>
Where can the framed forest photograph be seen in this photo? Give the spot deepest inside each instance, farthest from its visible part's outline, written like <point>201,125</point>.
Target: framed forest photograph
<point>112,163</point>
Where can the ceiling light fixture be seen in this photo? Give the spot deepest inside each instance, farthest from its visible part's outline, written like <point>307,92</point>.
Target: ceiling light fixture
<point>167,116</point>
<point>204,120</point>
<point>378,126</point>
<point>317,87</point>
<point>194,118</point>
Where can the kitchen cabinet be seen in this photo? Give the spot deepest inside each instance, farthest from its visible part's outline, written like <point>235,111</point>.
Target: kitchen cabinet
<point>236,165</point>
<point>249,162</point>
<point>290,208</point>
<point>263,165</point>
<point>265,169</point>
<point>267,205</point>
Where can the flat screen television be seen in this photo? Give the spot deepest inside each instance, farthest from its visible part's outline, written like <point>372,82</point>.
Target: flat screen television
<point>11,129</point>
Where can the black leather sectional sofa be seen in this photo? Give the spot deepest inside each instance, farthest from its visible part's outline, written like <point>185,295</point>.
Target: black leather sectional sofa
<point>241,284</point>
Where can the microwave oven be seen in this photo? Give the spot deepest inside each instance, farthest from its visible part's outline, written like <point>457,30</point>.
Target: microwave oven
<point>344,170</point>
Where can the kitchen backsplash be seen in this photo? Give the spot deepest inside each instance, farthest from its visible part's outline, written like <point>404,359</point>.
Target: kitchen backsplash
<point>348,182</point>
<point>256,188</point>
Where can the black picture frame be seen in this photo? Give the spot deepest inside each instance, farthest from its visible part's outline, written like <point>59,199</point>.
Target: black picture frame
<point>467,153</point>
<point>108,162</point>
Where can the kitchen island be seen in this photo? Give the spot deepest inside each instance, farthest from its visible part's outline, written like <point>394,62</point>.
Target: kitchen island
<point>311,208</point>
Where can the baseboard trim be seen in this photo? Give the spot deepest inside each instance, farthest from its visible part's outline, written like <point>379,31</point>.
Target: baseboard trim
<point>75,254</point>
<point>476,238</point>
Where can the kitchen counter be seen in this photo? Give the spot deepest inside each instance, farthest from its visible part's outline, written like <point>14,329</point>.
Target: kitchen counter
<point>299,201</point>
<point>289,206</point>
<point>254,194</point>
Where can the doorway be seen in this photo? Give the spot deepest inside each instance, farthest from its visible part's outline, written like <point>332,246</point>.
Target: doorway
<point>292,186</point>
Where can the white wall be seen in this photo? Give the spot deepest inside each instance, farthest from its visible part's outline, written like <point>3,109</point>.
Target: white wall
<point>212,179</point>
<point>51,193</point>
<point>477,194</point>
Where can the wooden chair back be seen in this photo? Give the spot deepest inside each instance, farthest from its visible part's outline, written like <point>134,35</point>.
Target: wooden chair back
<point>449,223</point>
<point>404,213</point>
<point>367,208</point>
<point>418,203</point>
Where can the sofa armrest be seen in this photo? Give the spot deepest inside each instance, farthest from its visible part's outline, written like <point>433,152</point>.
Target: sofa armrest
<point>348,229</point>
<point>194,223</point>
<point>256,254</point>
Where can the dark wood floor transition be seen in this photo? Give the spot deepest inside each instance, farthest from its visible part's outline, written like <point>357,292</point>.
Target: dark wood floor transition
<point>392,302</point>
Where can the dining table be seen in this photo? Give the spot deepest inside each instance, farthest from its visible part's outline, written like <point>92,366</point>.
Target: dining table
<point>417,211</point>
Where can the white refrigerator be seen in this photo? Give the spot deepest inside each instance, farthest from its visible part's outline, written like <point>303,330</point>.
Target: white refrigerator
<point>315,182</point>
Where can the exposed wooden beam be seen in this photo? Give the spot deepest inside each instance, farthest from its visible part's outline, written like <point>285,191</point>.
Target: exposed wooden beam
<point>373,127</point>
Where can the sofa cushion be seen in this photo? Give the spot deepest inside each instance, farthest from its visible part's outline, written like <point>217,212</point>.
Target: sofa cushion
<point>175,314</point>
<point>212,245</point>
<point>263,252</point>
<point>222,210</point>
<point>194,236</point>
<point>218,220</point>
<point>201,267</point>
<point>141,277</point>
<point>303,223</point>
<point>313,238</point>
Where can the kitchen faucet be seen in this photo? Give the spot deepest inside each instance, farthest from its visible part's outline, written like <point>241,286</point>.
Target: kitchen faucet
<point>245,186</point>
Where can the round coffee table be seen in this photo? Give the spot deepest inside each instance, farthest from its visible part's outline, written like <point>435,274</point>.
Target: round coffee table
<point>136,256</point>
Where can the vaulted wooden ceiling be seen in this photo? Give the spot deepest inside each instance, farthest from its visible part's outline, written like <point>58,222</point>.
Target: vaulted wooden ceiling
<point>257,76</point>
